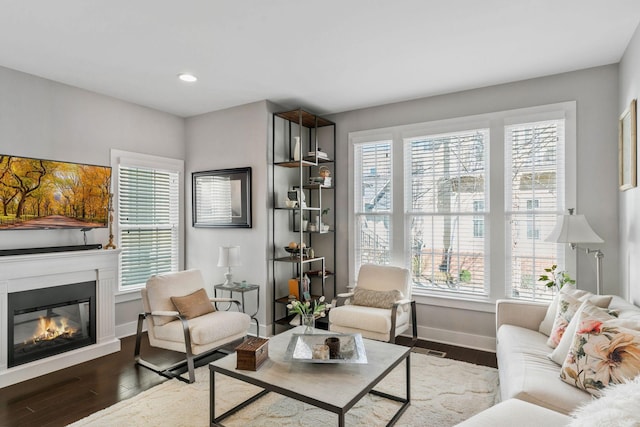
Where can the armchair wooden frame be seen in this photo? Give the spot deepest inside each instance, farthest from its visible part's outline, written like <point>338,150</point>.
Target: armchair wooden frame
<point>190,359</point>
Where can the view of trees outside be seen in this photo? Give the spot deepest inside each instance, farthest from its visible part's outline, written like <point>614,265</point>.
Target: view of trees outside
<point>48,194</point>
<point>447,206</point>
<point>447,211</point>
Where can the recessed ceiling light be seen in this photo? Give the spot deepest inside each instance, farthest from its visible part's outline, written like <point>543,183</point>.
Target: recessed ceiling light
<point>186,77</point>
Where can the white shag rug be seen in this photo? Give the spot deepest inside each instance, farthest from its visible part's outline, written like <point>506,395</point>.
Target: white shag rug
<point>444,392</point>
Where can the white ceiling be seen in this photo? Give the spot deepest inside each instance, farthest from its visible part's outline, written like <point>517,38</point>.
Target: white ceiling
<point>328,56</point>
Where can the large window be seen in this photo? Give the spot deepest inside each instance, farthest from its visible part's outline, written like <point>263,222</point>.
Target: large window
<point>445,176</point>
<point>148,219</point>
<point>534,195</point>
<point>373,204</point>
<point>465,203</point>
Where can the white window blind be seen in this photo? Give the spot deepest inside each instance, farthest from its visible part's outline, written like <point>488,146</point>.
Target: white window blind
<point>534,195</point>
<point>148,219</point>
<point>373,202</point>
<point>446,207</point>
<point>214,195</point>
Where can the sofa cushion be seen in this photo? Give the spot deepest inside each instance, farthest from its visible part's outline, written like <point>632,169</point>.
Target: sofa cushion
<point>193,305</point>
<point>527,373</point>
<point>515,412</point>
<point>603,352</point>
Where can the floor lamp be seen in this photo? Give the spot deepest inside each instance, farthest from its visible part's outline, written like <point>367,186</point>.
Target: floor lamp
<point>575,229</point>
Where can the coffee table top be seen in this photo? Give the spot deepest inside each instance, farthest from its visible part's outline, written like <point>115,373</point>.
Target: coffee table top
<point>332,385</point>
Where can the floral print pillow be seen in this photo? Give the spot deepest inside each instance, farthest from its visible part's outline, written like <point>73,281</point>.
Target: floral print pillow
<point>603,352</point>
<point>567,307</point>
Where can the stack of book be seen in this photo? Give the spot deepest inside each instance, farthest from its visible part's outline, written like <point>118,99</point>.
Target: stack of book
<point>319,154</point>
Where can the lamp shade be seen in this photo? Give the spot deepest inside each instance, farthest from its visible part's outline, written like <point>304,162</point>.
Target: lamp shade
<point>573,229</point>
<point>229,256</point>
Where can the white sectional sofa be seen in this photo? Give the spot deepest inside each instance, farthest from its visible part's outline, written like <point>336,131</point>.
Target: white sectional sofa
<point>526,372</point>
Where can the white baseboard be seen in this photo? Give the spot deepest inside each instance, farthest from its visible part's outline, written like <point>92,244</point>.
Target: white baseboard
<point>128,329</point>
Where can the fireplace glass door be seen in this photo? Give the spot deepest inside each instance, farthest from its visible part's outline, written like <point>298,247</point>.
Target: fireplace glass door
<point>49,321</point>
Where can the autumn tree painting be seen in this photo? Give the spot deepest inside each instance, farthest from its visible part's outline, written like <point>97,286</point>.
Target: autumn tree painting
<point>38,193</point>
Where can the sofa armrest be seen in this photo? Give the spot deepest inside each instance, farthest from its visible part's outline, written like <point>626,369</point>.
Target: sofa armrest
<point>525,314</point>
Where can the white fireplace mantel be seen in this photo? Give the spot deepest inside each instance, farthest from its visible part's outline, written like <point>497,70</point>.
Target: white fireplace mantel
<point>37,271</point>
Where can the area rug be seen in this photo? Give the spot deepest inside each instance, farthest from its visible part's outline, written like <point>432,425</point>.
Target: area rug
<point>444,392</point>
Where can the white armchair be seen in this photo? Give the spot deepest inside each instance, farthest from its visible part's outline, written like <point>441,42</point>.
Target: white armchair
<point>380,307</point>
<point>181,317</point>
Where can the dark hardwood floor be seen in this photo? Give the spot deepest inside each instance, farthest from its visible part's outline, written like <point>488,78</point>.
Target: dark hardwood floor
<point>65,396</point>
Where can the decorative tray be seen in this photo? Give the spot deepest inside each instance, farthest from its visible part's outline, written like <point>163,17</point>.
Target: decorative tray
<point>308,348</point>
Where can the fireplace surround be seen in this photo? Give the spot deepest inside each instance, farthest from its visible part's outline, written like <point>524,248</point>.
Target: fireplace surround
<point>22,274</point>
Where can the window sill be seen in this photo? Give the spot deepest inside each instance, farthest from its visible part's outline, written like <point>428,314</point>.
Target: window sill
<point>476,304</point>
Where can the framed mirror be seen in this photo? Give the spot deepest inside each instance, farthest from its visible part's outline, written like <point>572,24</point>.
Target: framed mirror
<point>222,198</point>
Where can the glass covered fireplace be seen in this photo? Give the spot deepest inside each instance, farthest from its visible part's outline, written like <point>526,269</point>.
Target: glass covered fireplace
<point>48,321</point>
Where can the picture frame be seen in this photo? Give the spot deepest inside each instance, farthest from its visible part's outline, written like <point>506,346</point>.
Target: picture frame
<point>627,148</point>
<point>222,198</point>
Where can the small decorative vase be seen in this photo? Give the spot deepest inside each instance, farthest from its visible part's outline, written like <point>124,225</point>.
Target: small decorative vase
<point>309,322</point>
<point>296,149</point>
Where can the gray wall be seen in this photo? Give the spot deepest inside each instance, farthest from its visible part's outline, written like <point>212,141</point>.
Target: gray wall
<point>232,138</point>
<point>629,201</point>
<point>44,119</point>
<point>596,94</point>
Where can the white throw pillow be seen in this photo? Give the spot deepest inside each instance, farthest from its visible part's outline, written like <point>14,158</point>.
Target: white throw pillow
<point>567,307</point>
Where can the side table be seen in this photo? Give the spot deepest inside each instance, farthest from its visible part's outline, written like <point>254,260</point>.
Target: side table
<point>238,287</point>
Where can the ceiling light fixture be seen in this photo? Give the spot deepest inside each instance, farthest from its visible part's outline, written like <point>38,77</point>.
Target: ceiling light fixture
<point>186,77</point>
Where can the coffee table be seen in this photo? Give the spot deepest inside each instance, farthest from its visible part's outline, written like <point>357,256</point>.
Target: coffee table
<point>342,385</point>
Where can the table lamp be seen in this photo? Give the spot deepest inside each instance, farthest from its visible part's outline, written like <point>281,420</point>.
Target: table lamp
<point>229,256</point>
<point>575,229</point>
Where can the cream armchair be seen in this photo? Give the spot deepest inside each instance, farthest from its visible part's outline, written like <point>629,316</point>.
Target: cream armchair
<point>181,317</point>
<point>380,307</point>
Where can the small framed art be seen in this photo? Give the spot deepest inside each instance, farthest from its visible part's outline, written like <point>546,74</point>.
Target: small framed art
<point>222,198</point>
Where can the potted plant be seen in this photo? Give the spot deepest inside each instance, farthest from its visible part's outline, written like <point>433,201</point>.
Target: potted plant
<point>556,278</point>
<point>324,227</point>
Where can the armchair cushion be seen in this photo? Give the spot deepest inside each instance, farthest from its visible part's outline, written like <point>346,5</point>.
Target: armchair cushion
<point>162,287</point>
<point>193,305</point>
<point>367,318</point>
<point>202,331</point>
<point>378,299</point>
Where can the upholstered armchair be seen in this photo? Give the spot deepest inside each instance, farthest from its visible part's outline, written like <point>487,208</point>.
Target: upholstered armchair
<point>380,306</point>
<point>181,317</point>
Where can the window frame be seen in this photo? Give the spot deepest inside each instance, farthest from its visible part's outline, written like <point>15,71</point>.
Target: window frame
<point>139,160</point>
<point>494,226</point>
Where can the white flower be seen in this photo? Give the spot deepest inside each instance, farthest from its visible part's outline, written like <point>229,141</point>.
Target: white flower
<point>322,314</point>
<point>308,304</point>
<point>294,303</point>
<point>322,298</point>
<point>289,306</point>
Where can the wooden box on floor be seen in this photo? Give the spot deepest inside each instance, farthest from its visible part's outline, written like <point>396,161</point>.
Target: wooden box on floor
<point>252,353</point>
